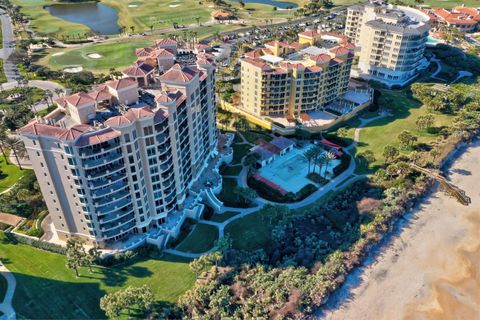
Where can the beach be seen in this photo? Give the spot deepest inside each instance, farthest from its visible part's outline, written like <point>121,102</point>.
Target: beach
<point>430,267</point>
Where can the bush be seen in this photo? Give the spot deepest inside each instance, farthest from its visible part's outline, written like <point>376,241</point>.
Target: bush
<point>344,164</point>
<point>48,246</point>
<point>315,177</point>
<point>273,195</point>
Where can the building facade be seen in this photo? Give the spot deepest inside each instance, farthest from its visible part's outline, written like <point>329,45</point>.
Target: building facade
<point>390,41</point>
<point>463,18</point>
<point>293,78</point>
<point>119,159</point>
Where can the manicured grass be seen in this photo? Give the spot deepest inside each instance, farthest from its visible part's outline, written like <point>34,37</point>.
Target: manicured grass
<point>239,151</point>
<point>405,111</point>
<point>118,54</point>
<point>251,232</point>
<point>221,217</point>
<point>231,170</point>
<point>226,195</point>
<point>3,288</point>
<point>42,22</point>
<point>201,239</point>
<point>252,136</point>
<point>156,14</point>
<point>9,173</point>
<point>46,289</point>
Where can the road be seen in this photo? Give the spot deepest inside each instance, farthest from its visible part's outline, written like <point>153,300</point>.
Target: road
<point>8,46</point>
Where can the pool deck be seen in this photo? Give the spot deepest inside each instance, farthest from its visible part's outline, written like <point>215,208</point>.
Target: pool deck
<point>290,170</point>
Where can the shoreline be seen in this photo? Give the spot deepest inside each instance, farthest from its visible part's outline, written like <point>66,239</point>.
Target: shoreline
<point>362,296</point>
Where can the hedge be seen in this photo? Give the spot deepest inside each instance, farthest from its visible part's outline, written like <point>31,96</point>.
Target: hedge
<point>48,246</point>
<point>273,195</point>
<point>344,164</point>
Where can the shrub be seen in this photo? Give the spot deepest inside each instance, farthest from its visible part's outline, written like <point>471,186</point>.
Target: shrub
<point>344,164</point>
<point>273,195</point>
<point>48,246</point>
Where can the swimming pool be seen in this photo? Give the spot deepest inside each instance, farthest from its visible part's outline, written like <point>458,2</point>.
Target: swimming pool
<point>290,170</point>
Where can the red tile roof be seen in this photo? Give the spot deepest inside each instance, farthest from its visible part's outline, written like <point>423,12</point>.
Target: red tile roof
<point>97,137</point>
<point>74,132</point>
<point>321,57</point>
<point>166,41</point>
<point>143,52</point>
<point>140,70</point>
<point>311,33</point>
<point>100,94</point>
<point>340,51</point>
<point>138,113</point>
<point>178,73</point>
<point>121,83</point>
<point>79,99</point>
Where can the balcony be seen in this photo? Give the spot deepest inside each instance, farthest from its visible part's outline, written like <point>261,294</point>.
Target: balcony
<point>119,230</point>
<point>114,206</point>
<point>106,182</point>
<point>118,223</point>
<point>117,195</point>
<point>115,216</point>
<point>88,164</point>
<point>110,169</point>
<point>88,152</point>
<point>112,188</point>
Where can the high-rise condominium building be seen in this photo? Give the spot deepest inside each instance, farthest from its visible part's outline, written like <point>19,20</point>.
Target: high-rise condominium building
<point>390,41</point>
<point>119,159</point>
<point>293,78</point>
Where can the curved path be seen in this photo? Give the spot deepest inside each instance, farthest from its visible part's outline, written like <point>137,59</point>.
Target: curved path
<point>6,306</point>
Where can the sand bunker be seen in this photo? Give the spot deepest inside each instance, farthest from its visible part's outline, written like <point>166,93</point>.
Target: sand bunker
<point>174,5</point>
<point>58,54</point>
<point>94,55</point>
<point>132,5</point>
<point>73,69</point>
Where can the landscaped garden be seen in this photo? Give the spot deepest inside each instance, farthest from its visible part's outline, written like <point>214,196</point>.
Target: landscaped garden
<point>47,289</point>
<point>201,239</point>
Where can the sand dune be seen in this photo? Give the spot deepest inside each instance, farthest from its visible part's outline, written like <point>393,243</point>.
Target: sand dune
<point>431,269</point>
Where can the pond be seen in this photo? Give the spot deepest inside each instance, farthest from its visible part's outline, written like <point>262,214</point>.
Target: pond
<point>100,18</point>
<point>273,3</point>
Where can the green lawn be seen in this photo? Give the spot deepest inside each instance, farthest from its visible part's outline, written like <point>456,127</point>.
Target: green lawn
<point>252,136</point>
<point>239,151</point>
<point>250,232</point>
<point>231,170</point>
<point>201,239</point>
<point>405,111</point>
<point>118,54</point>
<point>46,289</point>
<point>9,174</point>
<point>221,217</point>
<point>226,195</point>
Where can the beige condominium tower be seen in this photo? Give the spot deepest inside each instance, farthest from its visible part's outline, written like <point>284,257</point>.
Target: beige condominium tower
<point>390,41</point>
<point>293,78</point>
<point>119,159</point>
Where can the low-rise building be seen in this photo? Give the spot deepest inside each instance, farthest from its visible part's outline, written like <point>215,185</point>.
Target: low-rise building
<point>464,18</point>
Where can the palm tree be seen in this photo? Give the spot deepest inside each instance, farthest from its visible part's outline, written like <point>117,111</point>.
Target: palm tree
<point>3,143</point>
<point>18,149</point>
<point>320,161</point>
<point>329,156</point>
<point>308,156</point>
<point>58,91</point>
<point>317,151</point>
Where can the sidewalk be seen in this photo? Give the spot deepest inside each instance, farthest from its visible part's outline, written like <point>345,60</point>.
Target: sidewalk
<point>6,306</point>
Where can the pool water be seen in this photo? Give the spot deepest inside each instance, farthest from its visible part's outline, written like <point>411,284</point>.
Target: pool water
<point>290,170</point>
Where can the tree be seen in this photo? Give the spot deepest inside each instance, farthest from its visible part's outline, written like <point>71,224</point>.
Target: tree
<point>390,153</point>
<point>251,159</point>
<point>3,142</point>
<point>132,28</point>
<point>309,156</point>
<point>245,195</point>
<point>434,153</point>
<point>366,157</point>
<point>406,139</point>
<point>76,256</point>
<point>424,122</point>
<point>141,298</point>
<point>342,132</point>
<point>319,161</point>
<point>329,156</point>
<point>93,255</point>
<point>18,149</point>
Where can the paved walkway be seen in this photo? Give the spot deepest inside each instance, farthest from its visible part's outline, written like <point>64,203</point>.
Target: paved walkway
<point>6,306</point>
<point>8,46</point>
